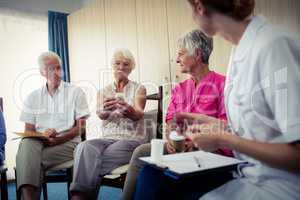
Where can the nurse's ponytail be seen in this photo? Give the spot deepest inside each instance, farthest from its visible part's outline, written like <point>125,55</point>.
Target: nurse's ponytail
<point>237,9</point>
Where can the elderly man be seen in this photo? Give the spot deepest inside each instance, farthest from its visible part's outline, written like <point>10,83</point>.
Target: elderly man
<point>55,109</point>
<point>198,98</point>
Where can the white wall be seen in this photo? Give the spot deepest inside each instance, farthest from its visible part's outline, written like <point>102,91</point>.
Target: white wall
<point>42,6</point>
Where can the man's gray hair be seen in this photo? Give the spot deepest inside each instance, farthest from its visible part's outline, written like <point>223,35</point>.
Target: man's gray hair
<point>197,40</point>
<point>126,53</point>
<point>46,55</point>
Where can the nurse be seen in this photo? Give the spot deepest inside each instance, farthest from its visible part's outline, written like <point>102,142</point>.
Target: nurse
<point>262,104</point>
<point>262,101</point>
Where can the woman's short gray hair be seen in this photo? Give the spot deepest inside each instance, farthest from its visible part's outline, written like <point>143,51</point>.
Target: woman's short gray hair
<point>126,53</point>
<point>197,40</point>
<point>46,55</point>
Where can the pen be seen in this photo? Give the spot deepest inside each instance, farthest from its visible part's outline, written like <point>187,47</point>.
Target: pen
<point>197,161</point>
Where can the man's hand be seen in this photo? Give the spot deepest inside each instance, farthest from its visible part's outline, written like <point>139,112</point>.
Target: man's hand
<point>52,137</point>
<point>51,133</point>
<point>53,141</point>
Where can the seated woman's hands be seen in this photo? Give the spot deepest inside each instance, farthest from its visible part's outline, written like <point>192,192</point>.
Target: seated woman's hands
<point>204,131</point>
<point>188,143</point>
<point>110,104</point>
<point>119,108</point>
<point>169,147</point>
<point>126,110</point>
<point>110,109</point>
<point>189,146</point>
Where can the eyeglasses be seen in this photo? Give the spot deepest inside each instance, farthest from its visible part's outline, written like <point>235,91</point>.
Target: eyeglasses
<point>52,68</point>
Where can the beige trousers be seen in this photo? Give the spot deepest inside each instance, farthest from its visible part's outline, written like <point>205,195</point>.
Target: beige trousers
<point>33,158</point>
<point>96,158</point>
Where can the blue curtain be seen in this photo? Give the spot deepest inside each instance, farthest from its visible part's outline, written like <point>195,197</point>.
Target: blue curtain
<point>58,39</point>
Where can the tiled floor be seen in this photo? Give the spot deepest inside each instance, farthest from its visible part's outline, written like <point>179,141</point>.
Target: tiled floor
<point>58,191</point>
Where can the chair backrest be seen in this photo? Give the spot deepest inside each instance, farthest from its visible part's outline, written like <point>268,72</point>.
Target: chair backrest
<point>1,103</point>
<point>159,119</point>
<point>1,107</point>
<point>82,129</point>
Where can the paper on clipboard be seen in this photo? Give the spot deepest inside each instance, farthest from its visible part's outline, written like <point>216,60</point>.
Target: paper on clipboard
<point>193,162</point>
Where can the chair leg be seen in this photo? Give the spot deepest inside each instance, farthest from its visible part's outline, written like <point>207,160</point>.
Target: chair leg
<point>4,192</point>
<point>70,178</point>
<point>68,188</point>
<point>45,193</point>
<point>18,192</point>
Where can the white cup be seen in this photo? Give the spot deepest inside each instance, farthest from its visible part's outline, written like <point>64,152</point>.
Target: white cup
<point>157,148</point>
<point>120,96</point>
<point>177,141</point>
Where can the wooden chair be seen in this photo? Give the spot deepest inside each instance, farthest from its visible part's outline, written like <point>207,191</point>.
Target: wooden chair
<point>62,173</point>
<point>117,177</point>
<point>3,170</point>
<point>158,97</point>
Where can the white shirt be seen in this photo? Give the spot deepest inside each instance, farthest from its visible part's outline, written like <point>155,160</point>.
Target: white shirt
<point>120,127</point>
<point>262,103</point>
<point>58,111</point>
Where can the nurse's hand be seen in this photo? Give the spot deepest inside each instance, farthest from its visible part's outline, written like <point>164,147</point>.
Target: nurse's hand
<point>183,117</point>
<point>218,127</point>
<point>205,142</point>
<point>208,137</point>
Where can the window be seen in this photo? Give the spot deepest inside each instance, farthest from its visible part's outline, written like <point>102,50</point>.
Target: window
<point>23,36</point>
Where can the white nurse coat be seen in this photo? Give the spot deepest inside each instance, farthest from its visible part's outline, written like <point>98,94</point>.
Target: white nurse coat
<point>262,96</point>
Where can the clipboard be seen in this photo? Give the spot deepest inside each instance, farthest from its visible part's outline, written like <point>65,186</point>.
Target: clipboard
<point>184,164</point>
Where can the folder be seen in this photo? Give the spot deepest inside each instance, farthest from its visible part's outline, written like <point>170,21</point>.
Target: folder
<point>194,163</point>
<point>32,134</point>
